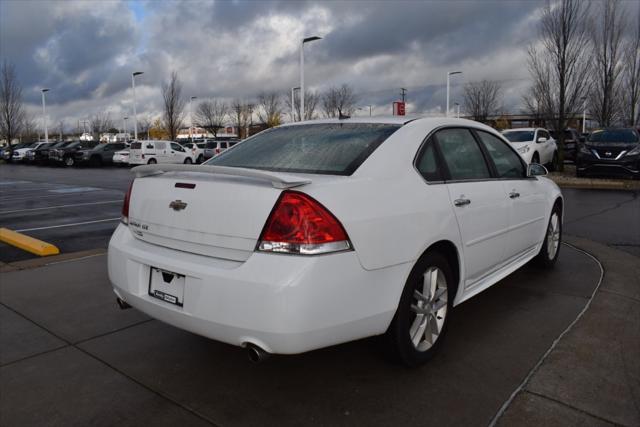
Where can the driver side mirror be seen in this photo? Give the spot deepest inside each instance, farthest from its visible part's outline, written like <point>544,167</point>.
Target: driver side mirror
<point>534,169</point>
<point>542,139</point>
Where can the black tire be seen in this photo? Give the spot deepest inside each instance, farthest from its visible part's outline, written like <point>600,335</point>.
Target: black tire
<point>398,335</point>
<point>553,166</point>
<point>547,258</point>
<point>535,158</point>
<point>69,161</point>
<point>188,161</point>
<point>96,161</point>
<point>200,159</point>
<point>152,162</point>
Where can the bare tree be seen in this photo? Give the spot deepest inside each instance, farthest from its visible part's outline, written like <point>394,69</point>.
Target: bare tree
<point>12,113</point>
<point>311,100</point>
<point>241,115</point>
<point>631,79</point>
<point>212,115</point>
<point>144,125</point>
<point>269,109</point>
<point>605,96</point>
<point>339,101</point>
<point>534,105</point>
<point>173,105</point>
<point>481,99</point>
<point>100,123</point>
<point>29,132</point>
<point>560,67</point>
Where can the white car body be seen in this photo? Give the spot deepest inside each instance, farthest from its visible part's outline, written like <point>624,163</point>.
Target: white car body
<point>196,150</point>
<point>21,153</point>
<point>150,152</point>
<point>235,293</point>
<point>541,144</point>
<point>121,157</point>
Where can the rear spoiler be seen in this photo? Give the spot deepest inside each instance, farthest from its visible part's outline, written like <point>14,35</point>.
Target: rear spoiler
<point>277,180</point>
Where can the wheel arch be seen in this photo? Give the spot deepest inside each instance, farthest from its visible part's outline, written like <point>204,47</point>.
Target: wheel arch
<point>450,252</point>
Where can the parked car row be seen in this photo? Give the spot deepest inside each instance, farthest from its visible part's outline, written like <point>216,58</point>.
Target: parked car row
<point>93,153</point>
<point>611,152</point>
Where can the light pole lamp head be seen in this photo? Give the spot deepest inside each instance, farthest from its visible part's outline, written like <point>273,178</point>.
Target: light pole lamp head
<point>193,97</point>
<point>137,73</point>
<point>45,90</point>
<point>451,73</point>
<point>310,39</point>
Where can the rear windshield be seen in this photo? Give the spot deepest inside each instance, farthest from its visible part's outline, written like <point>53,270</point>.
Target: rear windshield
<point>332,149</point>
<point>614,135</point>
<point>519,136</point>
<point>136,145</point>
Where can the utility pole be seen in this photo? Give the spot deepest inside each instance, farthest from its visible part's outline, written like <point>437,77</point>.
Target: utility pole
<point>403,91</point>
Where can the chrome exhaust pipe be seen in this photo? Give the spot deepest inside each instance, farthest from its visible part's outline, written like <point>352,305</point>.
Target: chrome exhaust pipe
<point>122,304</point>
<point>256,354</point>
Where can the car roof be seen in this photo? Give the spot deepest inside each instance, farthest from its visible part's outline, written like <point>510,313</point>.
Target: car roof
<point>523,129</point>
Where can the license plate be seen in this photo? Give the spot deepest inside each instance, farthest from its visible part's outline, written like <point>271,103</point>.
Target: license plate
<point>166,286</point>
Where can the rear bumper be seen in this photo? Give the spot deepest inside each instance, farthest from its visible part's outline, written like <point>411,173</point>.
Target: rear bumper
<point>284,304</point>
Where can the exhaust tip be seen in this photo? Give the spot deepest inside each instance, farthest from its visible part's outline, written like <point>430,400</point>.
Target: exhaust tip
<point>256,354</point>
<point>122,304</point>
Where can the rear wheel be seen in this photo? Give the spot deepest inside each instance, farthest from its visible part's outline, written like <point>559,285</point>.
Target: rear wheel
<point>553,166</point>
<point>152,162</point>
<point>550,249</point>
<point>420,323</point>
<point>187,161</point>
<point>69,161</point>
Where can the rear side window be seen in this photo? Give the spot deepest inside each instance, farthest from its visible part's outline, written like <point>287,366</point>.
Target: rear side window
<point>161,145</point>
<point>462,155</point>
<point>136,145</point>
<point>507,162</point>
<point>427,163</point>
<point>333,148</point>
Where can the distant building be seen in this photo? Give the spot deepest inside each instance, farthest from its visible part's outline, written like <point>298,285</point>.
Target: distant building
<point>201,133</point>
<point>86,137</point>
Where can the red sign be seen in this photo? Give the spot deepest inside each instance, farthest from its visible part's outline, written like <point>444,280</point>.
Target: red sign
<point>398,108</point>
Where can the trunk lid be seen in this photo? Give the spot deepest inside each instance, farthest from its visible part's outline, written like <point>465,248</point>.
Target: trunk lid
<point>218,215</point>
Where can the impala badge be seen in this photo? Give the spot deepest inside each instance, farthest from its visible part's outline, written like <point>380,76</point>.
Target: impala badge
<point>177,205</point>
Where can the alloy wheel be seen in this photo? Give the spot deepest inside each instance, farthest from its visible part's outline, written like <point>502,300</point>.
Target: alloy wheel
<point>430,308</point>
<point>553,235</point>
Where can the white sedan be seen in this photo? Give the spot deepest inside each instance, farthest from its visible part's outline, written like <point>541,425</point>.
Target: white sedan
<point>121,157</point>
<point>535,145</point>
<point>318,233</point>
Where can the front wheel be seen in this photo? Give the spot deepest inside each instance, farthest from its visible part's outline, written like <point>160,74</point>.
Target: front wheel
<point>553,166</point>
<point>200,158</point>
<point>550,249</point>
<point>68,161</point>
<point>187,161</point>
<point>420,323</point>
<point>152,162</point>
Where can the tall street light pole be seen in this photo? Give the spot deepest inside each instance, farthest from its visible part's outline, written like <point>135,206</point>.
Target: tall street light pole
<point>584,114</point>
<point>449,74</point>
<point>293,103</point>
<point>191,117</point>
<point>135,115</point>
<point>305,40</point>
<point>124,125</point>
<point>457,109</point>
<point>44,116</point>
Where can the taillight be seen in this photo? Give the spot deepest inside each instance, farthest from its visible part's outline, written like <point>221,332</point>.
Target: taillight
<point>217,151</point>
<point>300,225</point>
<point>125,206</point>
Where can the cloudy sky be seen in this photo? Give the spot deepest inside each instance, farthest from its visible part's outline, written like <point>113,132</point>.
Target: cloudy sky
<point>85,51</point>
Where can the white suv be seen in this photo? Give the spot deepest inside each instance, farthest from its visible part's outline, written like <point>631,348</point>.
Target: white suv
<point>535,145</point>
<point>152,152</point>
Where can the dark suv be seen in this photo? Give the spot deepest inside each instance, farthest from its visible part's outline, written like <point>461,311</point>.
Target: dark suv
<point>101,154</point>
<point>66,155</point>
<point>610,152</point>
<point>572,140</point>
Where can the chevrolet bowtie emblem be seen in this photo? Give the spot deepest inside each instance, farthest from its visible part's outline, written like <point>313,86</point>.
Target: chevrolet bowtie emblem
<point>177,205</point>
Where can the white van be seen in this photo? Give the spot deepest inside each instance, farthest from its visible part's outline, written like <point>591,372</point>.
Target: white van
<point>151,152</point>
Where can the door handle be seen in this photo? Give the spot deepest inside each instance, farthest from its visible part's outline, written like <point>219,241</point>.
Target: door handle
<point>514,195</point>
<point>461,202</point>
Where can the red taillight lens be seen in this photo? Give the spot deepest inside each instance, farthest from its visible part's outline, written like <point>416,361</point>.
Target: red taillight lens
<point>300,225</point>
<point>125,206</point>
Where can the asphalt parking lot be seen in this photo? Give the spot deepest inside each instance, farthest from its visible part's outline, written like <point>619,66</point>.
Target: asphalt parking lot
<point>69,356</point>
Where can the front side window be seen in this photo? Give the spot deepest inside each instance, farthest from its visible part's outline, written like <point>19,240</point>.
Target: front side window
<point>176,147</point>
<point>331,148</point>
<point>462,155</point>
<point>507,162</point>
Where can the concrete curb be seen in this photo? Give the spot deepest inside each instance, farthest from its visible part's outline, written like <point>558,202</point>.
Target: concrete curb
<point>592,374</point>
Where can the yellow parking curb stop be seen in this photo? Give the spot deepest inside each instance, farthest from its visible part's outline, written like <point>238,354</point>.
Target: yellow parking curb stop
<point>26,243</point>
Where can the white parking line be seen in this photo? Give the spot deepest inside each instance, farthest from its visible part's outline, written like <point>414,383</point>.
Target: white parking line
<point>61,206</point>
<point>67,225</point>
